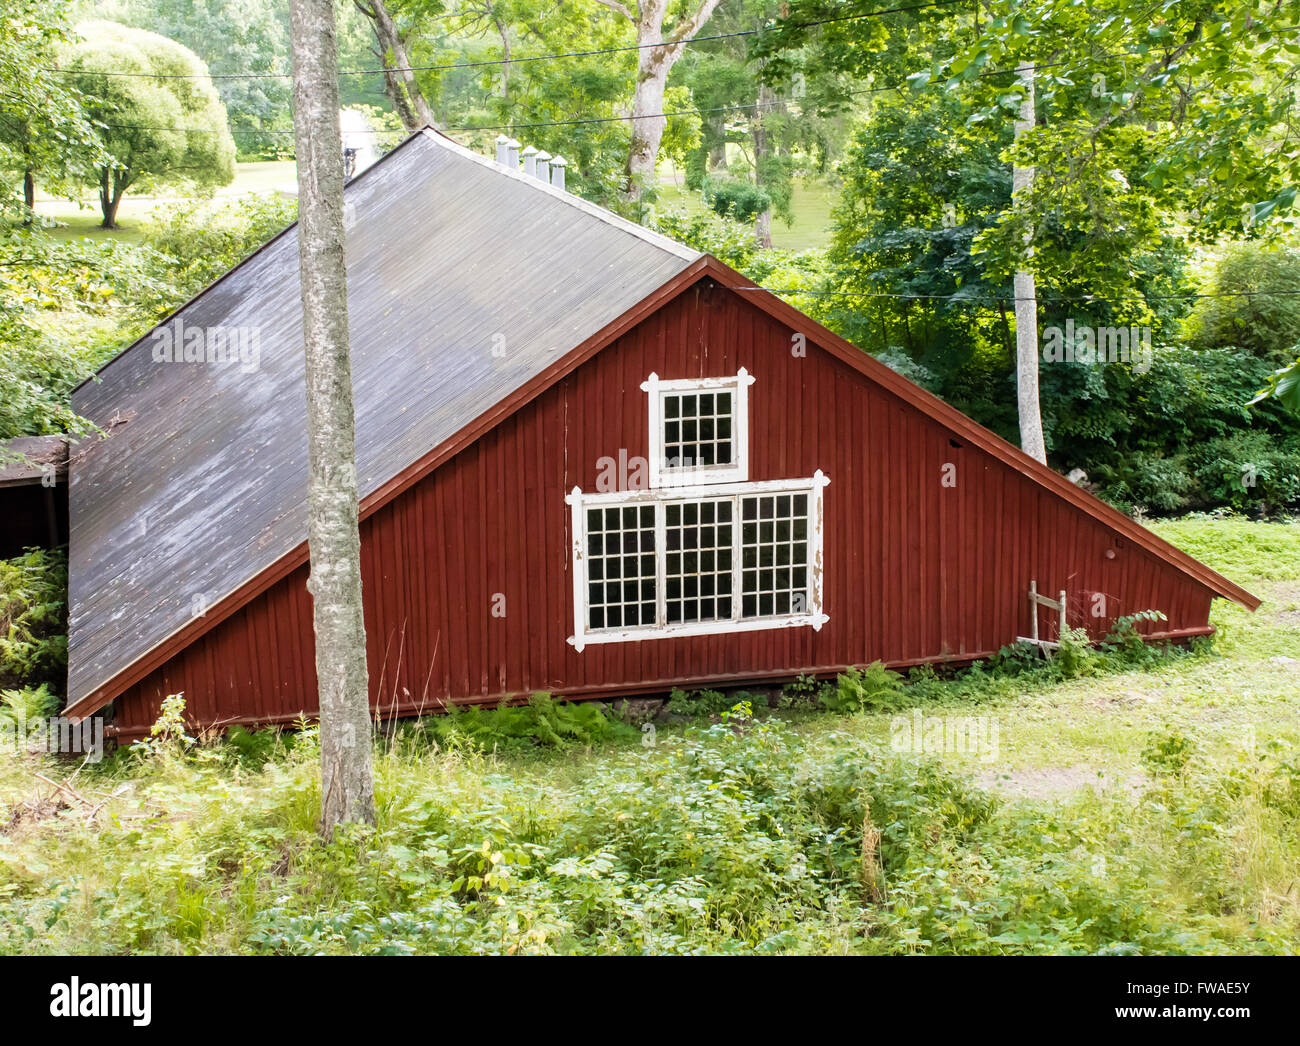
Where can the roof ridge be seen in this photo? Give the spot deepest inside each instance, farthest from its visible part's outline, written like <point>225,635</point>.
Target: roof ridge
<point>586,206</point>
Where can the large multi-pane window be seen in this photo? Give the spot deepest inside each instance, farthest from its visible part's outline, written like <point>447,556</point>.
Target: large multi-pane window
<point>724,558</point>
<point>703,550</point>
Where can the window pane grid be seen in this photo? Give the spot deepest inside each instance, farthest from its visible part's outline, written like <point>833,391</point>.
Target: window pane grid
<point>774,554</point>
<point>621,567</point>
<point>698,429</point>
<point>699,546</point>
<point>673,563</point>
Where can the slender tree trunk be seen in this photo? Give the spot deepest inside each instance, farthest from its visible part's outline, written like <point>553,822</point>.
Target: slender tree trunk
<point>648,123</point>
<point>1022,181</point>
<point>29,179</point>
<point>347,788</point>
<point>762,152</point>
<point>503,31</point>
<point>400,84</point>
<point>654,63</point>
<point>110,198</point>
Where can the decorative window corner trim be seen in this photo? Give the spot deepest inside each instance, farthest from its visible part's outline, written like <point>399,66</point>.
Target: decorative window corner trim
<point>663,475</point>
<point>813,616</point>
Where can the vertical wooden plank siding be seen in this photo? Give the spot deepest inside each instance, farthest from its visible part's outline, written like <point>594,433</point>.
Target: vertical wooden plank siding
<point>914,570</point>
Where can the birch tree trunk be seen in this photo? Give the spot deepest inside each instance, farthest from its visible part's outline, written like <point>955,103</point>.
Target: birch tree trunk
<point>1022,181</point>
<point>400,84</point>
<point>762,152</point>
<point>654,63</point>
<point>347,788</point>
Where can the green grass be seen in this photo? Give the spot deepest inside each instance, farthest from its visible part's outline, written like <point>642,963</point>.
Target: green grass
<point>84,219</point>
<point>810,205</point>
<point>1148,803</point>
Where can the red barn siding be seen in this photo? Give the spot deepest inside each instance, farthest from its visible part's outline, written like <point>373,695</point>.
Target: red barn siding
<point>914,571</point>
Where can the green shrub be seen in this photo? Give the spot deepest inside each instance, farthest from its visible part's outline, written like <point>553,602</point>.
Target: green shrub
<point>543,722</point>
<point>1125,643</point>
<point>1167,754</point>
<point>698,704</point>
<point>195,244</point>
<point>740,201</point>
<point>1249,470</point>
<point>33,620</point>
<point>802,691</point>
<point>874,688</point>
<point>1255,302</point>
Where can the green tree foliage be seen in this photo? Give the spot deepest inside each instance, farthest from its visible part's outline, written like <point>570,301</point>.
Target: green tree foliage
<point>1283,386</point>
<point>909,278</point>
<point>771,124</point>
<point>918,187</point>
<point>159,115</point>
<point>1165,91</point>
<point>568,107</point>
<point>42,125</point>
<point>1254,303</point>
<point>245,45</point>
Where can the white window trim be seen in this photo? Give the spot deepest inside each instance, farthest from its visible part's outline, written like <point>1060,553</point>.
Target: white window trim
<point>661,475</point>
<point>814,617</point>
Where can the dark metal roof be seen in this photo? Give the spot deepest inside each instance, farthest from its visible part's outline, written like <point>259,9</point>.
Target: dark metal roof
<point>465,281</point>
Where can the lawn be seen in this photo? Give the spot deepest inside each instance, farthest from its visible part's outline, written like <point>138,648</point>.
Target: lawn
<point>84,219</point>
<point>810,205</point>
<point>1127,800</point>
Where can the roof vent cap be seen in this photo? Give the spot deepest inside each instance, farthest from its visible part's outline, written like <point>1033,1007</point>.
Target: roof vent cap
<point>557,171</point>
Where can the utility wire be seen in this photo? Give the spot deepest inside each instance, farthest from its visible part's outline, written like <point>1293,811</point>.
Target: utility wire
<point>621,119</point>
<point>1086,299</point>
<point>516,61</point>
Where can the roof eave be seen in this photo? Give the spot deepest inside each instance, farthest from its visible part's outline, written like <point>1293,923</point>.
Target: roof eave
<point>986,439</point>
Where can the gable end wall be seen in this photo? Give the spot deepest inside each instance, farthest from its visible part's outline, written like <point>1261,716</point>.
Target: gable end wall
<point>914,571</point>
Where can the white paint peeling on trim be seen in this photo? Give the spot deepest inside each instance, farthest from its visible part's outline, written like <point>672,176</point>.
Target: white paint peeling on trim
<point>814,618</point>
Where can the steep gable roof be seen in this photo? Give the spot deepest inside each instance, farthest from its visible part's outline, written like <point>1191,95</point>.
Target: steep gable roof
<point>465,281</point>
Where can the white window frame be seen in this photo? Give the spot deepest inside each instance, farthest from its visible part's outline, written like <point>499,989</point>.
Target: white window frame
<point>813,616</point>
<point>664,475</point>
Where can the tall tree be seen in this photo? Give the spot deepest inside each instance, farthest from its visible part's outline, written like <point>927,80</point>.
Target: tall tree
<point>655,60</point>
<point>43,128</point>
<point>347,786</point>
<point>400,83</point>
<point>160,116</point>
<point>1026,298</point>
<point>234,38</point>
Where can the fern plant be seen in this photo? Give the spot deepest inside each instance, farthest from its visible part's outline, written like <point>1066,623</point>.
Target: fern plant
<point>874,688</point>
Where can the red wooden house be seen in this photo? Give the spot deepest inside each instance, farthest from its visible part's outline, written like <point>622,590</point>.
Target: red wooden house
<point>592,462</point>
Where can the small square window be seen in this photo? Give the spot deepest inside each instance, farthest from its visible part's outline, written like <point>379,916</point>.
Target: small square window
<point>698,430</point>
